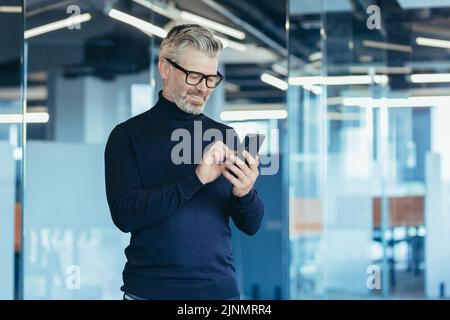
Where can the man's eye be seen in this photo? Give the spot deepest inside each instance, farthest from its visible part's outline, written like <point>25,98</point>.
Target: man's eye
<point>195,76</point>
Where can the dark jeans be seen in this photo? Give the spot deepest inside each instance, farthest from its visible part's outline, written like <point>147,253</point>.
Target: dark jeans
<point>130,296</point>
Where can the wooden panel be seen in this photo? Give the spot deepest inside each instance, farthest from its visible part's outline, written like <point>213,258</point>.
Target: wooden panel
<point>306,215</point>
<point>403,211</point>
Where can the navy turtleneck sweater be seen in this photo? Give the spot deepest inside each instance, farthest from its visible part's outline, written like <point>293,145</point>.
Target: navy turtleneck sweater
<point>180,244</point>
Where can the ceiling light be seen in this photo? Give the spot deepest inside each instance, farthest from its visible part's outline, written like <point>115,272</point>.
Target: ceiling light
<point>65,23</point>
<point>10,9</point>
<point>274,81</point>
<point>315,56</point>
<point>213,25</point>
<point>142,25</point>
<point>338,80</point>
<point>386,46</point>
<point>430,77</point>
<point>423,101</point>
<point>227,43</point>
<point>34,117</point>
<point>433,42</point>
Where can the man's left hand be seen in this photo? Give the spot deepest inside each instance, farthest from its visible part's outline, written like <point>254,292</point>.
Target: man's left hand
<point>245,174</point>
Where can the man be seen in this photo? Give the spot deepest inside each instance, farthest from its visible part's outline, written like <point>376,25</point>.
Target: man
<point>178,214</point>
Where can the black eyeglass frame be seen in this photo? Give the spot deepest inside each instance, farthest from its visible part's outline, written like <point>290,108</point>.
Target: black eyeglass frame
<point>202,76</point>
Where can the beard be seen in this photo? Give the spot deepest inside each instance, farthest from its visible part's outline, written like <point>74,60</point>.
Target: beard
<point>183,103</point>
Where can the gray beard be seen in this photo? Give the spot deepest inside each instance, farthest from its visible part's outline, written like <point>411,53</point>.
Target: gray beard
<point>188,107</point>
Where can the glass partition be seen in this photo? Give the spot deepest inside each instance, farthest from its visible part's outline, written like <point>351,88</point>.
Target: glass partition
<point>92,65</point>
<point>11,147</point>
<point>84,76</point>
<point>367,162</point>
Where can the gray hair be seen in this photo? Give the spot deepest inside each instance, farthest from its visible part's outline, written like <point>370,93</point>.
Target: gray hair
<point>189,35</point>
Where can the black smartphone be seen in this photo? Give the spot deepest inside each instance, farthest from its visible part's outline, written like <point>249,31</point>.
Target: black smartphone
<point>252,143</point>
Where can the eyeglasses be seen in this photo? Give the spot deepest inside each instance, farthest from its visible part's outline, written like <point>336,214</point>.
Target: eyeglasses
<point>193,78</point>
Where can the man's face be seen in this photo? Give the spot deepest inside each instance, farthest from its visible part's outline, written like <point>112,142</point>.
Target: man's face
<point>190,98</point>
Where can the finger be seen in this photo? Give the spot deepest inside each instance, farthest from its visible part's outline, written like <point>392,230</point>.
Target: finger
<point>221,150</point>
<point>228,156</point>
<point>234,181</point>
<point>223,167</point>
<point>242,165</point>
<point>252,162</point>
<point>220,145</point>
<point>238,172</point>
<point>215,156</point>
<point>225,151</point>
<point>249,157</point>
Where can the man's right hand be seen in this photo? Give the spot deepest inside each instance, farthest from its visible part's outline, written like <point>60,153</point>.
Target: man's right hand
<point>213,163</point>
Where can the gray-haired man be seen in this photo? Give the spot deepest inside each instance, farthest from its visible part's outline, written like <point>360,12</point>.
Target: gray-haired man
<point>178,214</point>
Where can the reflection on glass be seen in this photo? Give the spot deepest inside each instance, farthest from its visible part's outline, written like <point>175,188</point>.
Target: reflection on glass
<point>375,172</point>
<point>11,151</point>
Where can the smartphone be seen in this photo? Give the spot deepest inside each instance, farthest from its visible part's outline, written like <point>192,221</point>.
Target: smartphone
<point>252,143</point>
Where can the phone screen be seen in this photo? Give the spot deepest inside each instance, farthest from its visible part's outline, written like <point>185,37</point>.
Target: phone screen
<point>252,143</point>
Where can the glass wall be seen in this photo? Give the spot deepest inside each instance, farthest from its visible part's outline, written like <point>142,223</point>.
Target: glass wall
<point>83,78</point>
<point>11,146</point>
<point>367,160</point>
<point>90,67</point>
<point>354,173</point>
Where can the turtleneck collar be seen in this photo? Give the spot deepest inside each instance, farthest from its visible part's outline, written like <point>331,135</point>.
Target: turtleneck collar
<point>171,110</point>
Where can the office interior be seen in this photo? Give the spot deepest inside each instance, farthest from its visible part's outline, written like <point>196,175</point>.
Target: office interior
<point>352,95</point>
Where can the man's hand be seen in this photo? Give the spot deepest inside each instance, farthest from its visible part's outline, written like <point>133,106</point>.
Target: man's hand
<point>213,162</point>
<point>246,174</point>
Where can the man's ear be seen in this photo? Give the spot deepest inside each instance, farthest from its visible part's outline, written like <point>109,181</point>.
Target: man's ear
<point>164,68</point>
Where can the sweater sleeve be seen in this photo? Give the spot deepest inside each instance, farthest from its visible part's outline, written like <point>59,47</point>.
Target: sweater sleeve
<point>133,207</point>
<point>247,212</point>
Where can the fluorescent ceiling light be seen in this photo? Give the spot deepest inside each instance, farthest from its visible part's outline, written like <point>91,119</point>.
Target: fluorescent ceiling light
<point>315,56</point>
<point>33,93</point>
<point>142,25</point>
<point>424,101</point>
<point>176,14</point>
<point>365,58</point>
<point>213,25</point>
<point>380,69</point>
<point>281,69</point>
<point>243,115</point>
<point>433,42</point>
<point>341,116</point>
<point>314,89</point>
<point>65,23</point>
<point>231,87</point>
<point>10,9</point>
<point>338,80</point>
<point>274,81</point>
<point>35,117</point>
<point>386,46</point>
<point>302,81</point>
<point>227,43</point>
<point>430,77</point>
<point>334,101</point>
